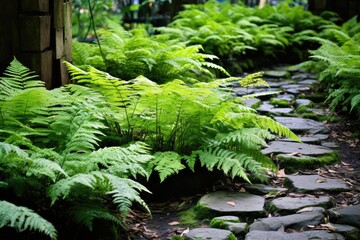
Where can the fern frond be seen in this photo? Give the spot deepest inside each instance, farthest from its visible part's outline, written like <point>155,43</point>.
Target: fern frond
<point>23,218</point>
<point>86,213</point>
<point>18,77</point>
<point>355,101</point>
<point>123,161</point>
<point>166,164</point>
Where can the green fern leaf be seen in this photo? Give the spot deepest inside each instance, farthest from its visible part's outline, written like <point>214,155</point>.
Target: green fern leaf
<point>22,218</point>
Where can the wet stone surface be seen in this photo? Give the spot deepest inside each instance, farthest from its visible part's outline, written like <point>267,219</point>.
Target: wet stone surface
<point>277,235</point>
<point>292,204</point>
<point>294,147</point>
<point>316,183</point>
<point>208,233</point>
<point>232,203</point>
<point>302,125</point>
<point>293,221</point>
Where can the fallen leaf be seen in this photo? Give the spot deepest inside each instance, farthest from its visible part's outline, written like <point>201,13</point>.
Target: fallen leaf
<point>231,203</point>
<point>242,190</point>
<point>185,232</point>
<point>321,180</point>
<point>329,226</point>
<point>281,229</point>
<point>311,226</point>
<point>281,173</point>
<point>174,223</point>
<point>345,164</point>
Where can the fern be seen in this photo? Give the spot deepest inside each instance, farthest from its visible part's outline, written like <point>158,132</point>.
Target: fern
<point>18,77</point>
<point>166,164</point>
<point>23,218</point>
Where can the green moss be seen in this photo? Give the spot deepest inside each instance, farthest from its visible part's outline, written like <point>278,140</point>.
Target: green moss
<point>295,163</point>
<point>256,105</point>
<point>321,118</point>
<point>202,212</point>
<point>232,237</point>
<point>353,235</point>
<point>315,97</point>
<point>189,217</point>
<point>301,109</point>
<point>222,223</point>
<point>279,102</point>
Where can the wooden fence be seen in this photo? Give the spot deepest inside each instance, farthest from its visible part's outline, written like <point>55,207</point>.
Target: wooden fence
<point>39,34</point>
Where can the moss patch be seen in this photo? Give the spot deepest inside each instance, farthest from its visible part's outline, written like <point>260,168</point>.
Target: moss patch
<point>280,102</point>
<point>189,217</point>
<point>303,162</point>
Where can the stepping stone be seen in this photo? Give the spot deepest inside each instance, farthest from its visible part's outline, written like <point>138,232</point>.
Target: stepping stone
<point>312,138</point>
<point>230,223</point>
<point>295,147</point>
<point>307,82</point>
<point>346,215</point>
<point>330,145</point>
<point>299,76</point>
<point>230,203</point>
<point>266,235</point>
<point>277,83</point>
<point>277,74</point>
<point>295,221</point>
<point>303,102</point>
<point>266,107</point>
<point>316,183</point>
<point>285,205</point>
<point>302,125</point>
<point>252,102</point>
<point>262,189</point>
<point>350,232</point>
<point>209,234</point>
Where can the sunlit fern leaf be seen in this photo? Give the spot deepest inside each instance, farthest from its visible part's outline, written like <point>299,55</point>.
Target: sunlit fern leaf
<point>6,148</point>
<point>43,167</point>
<point>125,192</point>
<point>123,161</point>
<point>22,218</point>
<point>18,77</point>
<point>166,164</point>
<point>63,188</point>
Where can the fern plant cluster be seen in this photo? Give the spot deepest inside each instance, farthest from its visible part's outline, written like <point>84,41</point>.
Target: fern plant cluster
<point>128,54</point>
<point>337,62</point>
<point>236,32</point>
<point>53,174</point>
<point>70,157</point>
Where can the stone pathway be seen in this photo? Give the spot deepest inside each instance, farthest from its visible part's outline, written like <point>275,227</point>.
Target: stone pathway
<point>299,204</point>
<point>305,205</point>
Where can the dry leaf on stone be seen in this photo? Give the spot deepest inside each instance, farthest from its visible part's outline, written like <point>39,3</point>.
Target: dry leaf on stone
<point>231,203</point>
<point>242,190</point>
<point>321,180</point>
<point>185,232</point>
<point>281,229</point>
<point>281,173</point>
<point>174,223</point>
<point>329,226</point>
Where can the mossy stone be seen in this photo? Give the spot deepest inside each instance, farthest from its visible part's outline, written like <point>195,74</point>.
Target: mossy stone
<point>280,102</point>
<point>190,217</point>
<point>303,162</point>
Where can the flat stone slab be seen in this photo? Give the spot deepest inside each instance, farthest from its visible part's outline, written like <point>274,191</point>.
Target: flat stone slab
<point>302,125</point>
<point>265,235</point>
<point>251,102</point>
<point>316,183</point>
<point>293,204</point>
<point>231,223</point>
<point>262,189</point>
<point>208,233</point>
<point>298,148</point>
<point>303,102</point>
<point>286,97</point>
<point>233,203</point>
<point>346,215</point>
<point>307,82</point>
<point>276,74</point>
<point>294,221</point>
<point>266,107</point>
